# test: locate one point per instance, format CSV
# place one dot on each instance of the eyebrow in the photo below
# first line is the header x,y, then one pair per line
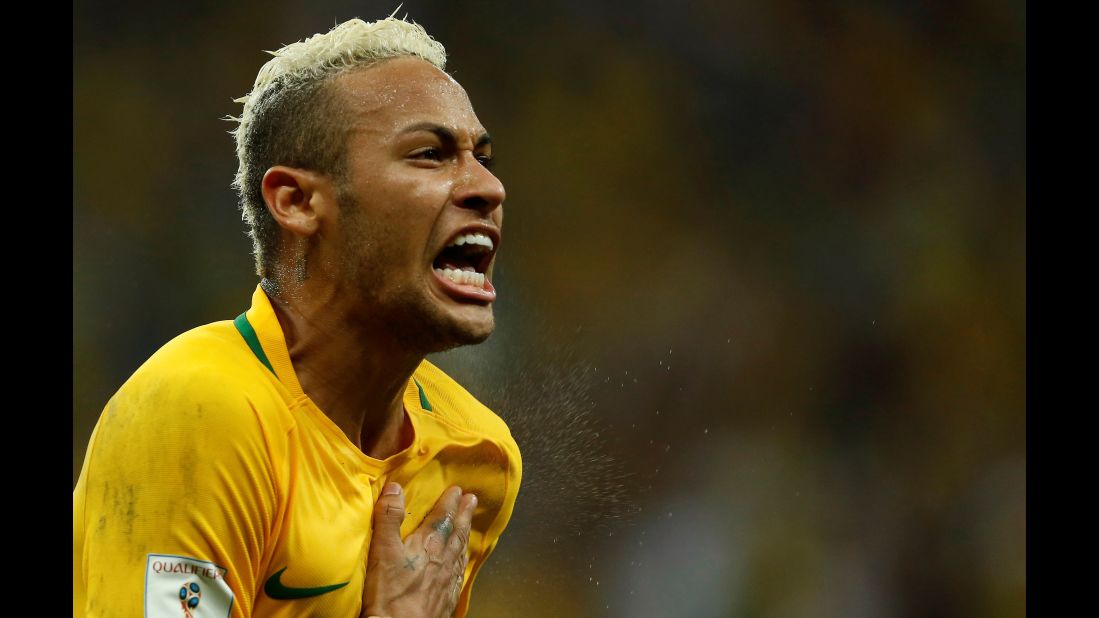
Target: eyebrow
x,y
447,136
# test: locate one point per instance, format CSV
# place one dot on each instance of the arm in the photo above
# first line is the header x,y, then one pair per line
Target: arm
x,y
176,489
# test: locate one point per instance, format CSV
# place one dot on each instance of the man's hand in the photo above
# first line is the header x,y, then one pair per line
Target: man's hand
x,y
420,577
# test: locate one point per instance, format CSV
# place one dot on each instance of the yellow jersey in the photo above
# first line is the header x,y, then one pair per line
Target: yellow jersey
x,y
213,486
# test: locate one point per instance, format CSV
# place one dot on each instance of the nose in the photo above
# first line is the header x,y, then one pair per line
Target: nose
x,y
478,188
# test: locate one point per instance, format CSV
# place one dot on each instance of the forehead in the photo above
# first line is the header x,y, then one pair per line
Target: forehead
x,y
390,95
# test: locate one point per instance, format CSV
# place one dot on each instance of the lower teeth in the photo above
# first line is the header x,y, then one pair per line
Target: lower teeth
x,y
462,277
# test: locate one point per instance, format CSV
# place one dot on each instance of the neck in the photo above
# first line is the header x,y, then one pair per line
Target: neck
x,y
353,370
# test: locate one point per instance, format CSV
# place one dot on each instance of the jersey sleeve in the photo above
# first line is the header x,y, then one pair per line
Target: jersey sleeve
x,y
175,501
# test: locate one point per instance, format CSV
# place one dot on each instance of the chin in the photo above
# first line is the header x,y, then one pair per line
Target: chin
x,y
469,332
442,330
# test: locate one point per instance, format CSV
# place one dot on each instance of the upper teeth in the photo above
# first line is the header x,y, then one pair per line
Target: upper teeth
x,y
472,239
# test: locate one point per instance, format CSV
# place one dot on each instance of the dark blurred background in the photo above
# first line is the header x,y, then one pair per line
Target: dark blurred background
x,y
762,288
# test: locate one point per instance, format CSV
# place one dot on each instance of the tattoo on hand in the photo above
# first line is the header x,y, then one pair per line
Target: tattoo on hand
x,y
410,563
445,527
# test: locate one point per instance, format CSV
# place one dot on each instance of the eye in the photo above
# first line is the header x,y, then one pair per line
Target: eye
x,y
486,160
427,154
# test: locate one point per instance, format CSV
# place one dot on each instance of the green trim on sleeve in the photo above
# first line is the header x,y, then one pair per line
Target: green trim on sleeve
x,y
424,403
252,340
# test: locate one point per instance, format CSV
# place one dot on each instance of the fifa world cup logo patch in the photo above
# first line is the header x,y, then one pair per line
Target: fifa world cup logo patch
x,y
186,587
189,596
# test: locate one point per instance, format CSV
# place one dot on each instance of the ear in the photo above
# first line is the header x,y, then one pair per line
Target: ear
x,y
294,198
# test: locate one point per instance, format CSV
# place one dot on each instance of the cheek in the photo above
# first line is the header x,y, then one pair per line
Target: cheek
x,y
418,194
406,238
402,207
417,212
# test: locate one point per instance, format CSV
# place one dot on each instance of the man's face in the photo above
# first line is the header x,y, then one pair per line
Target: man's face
x,y
416,185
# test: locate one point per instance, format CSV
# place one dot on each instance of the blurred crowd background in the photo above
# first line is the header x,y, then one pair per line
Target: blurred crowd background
x,y
762,286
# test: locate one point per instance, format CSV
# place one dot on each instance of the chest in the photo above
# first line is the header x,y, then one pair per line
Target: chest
x,y
316,557
316,563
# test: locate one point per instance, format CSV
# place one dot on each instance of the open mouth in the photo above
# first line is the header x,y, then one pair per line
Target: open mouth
x,y
463,264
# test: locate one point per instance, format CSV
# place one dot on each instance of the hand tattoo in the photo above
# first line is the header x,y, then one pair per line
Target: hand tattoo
x,y
445,527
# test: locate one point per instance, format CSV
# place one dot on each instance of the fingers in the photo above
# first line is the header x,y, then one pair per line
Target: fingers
x,y
457,549
459,541
456,592
441,523
388,516
423,574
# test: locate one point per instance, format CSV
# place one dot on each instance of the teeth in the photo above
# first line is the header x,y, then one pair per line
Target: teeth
x,y
462,277
472,239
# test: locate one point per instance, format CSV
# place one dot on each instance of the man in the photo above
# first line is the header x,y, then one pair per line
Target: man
x,y
304,459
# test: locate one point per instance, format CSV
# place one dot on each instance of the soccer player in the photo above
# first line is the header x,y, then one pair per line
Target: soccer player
x,y
305,459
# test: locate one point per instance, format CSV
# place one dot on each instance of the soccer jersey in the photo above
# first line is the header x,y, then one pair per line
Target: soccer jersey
x,y
213,486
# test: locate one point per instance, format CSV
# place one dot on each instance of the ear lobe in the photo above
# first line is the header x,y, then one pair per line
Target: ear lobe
x,y
288,193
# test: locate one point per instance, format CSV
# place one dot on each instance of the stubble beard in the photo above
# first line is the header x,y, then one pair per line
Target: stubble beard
x,y
405,312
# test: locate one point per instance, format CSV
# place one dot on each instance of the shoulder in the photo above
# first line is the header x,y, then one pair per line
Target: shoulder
x,y
458,407
195,414
206,378
215,355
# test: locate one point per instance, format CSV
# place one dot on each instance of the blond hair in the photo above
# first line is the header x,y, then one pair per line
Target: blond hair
x,y
292,118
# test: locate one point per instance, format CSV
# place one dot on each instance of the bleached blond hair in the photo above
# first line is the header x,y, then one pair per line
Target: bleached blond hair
x,y
293,118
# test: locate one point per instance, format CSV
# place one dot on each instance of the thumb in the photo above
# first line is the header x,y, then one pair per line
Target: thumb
x,y
388,515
